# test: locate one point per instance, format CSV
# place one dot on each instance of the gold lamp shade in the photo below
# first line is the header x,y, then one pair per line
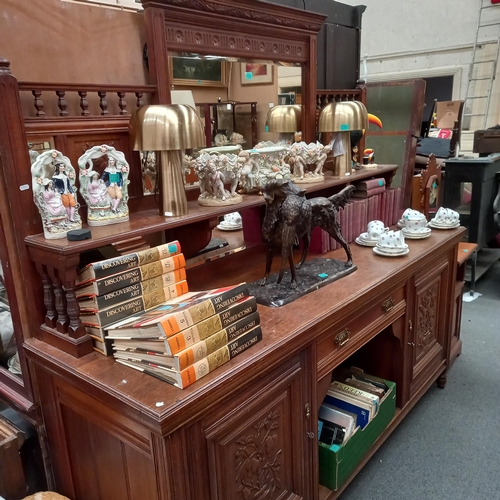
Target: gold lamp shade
x,y
285,118
343,116
168,129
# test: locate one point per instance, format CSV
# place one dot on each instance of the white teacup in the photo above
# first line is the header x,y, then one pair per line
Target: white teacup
x,y
375,229
447,216
409,213
415,224
392,242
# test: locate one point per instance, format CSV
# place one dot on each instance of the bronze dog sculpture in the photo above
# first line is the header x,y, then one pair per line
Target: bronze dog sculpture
x,y
290,217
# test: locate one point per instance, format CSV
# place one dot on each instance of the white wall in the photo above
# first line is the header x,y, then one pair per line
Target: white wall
x,y
425,38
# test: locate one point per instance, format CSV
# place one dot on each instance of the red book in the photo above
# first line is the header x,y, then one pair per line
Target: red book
x,y
320,241
370,184
252,224
368,193
390,205
364,215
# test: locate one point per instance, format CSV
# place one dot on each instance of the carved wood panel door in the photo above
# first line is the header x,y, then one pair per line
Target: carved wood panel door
x,y
259,448
427,340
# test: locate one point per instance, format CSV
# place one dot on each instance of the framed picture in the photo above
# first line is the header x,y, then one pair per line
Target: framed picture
x,y
256,73
198,72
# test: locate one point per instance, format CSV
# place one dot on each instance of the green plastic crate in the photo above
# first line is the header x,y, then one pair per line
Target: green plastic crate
x,y
336,463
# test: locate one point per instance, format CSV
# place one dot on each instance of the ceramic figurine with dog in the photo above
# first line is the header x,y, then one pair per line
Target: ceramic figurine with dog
x,y
307,161
54,193
290,217
104,185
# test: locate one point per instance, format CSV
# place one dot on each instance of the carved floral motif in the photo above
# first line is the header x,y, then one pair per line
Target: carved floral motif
x,y
258,460
426,325
242,13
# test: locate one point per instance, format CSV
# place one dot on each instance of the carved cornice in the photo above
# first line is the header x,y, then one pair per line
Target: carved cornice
x,y
253,45
243,12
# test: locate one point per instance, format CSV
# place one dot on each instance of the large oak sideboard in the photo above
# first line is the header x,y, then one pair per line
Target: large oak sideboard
x,y
249,429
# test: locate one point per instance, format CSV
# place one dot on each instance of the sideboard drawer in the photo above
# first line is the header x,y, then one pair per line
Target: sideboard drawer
x,y
344,339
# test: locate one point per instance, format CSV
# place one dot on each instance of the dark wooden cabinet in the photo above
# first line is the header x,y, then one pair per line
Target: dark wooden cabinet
x,y
250,427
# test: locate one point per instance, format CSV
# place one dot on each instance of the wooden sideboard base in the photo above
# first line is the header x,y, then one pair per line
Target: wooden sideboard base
x,y
76,347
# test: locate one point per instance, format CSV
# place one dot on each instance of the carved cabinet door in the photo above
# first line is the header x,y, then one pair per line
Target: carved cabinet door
x,y
428,322
259,448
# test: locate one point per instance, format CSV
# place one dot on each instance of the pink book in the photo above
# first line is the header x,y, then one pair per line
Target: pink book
x,y
364,215
252,225
390,212
358,216
370,184
349,221
398,212
320,241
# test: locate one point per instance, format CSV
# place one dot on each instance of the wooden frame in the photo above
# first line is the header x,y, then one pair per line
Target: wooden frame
x,y
239,29
198,72
256,73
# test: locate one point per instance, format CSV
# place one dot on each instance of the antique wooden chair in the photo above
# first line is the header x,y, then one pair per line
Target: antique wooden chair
x,y
426,187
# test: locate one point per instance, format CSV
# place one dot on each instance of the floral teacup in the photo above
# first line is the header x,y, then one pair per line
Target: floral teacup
x,y
392,242
447,217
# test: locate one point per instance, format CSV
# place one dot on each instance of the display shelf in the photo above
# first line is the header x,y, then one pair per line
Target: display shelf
x,y
150,221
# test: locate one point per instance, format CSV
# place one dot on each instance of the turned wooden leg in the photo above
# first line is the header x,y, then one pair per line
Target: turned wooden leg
x,y
441,381
48,297
75,328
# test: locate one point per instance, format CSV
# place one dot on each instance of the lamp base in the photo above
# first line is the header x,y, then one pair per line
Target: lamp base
x,y
173,201
342,164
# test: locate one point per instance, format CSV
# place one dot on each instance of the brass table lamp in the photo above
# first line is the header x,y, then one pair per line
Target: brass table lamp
x,y
342,118
285,119
169,129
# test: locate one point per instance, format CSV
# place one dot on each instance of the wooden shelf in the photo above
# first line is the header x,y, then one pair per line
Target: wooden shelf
x,y
150,221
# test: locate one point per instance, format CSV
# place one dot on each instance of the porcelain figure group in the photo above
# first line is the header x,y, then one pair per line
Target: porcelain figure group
x,y
103,184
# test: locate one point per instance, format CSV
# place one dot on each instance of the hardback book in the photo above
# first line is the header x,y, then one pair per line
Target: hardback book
x,y
172,318
105,317
365,386
330,413
368,193
346,402
103,347
93,303
124,279
190,355
233,319
191,374
238,324
357,393
115,265
332,433
370,184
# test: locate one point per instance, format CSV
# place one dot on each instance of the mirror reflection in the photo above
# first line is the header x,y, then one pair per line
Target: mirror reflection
x,y
9,357
233,98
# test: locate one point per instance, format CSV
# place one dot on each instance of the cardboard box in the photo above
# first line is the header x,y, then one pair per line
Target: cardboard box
x,y
336,463
447,113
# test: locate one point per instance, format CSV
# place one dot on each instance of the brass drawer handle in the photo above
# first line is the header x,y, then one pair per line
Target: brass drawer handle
x,y
342,338
387,305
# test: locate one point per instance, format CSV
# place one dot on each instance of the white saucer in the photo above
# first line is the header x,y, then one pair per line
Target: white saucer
x,y
400,224
229,227
436,225
365,243
425,233
378,251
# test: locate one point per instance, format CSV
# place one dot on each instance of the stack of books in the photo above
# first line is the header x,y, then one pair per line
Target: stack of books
x,y
184,339
113,289
350,403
